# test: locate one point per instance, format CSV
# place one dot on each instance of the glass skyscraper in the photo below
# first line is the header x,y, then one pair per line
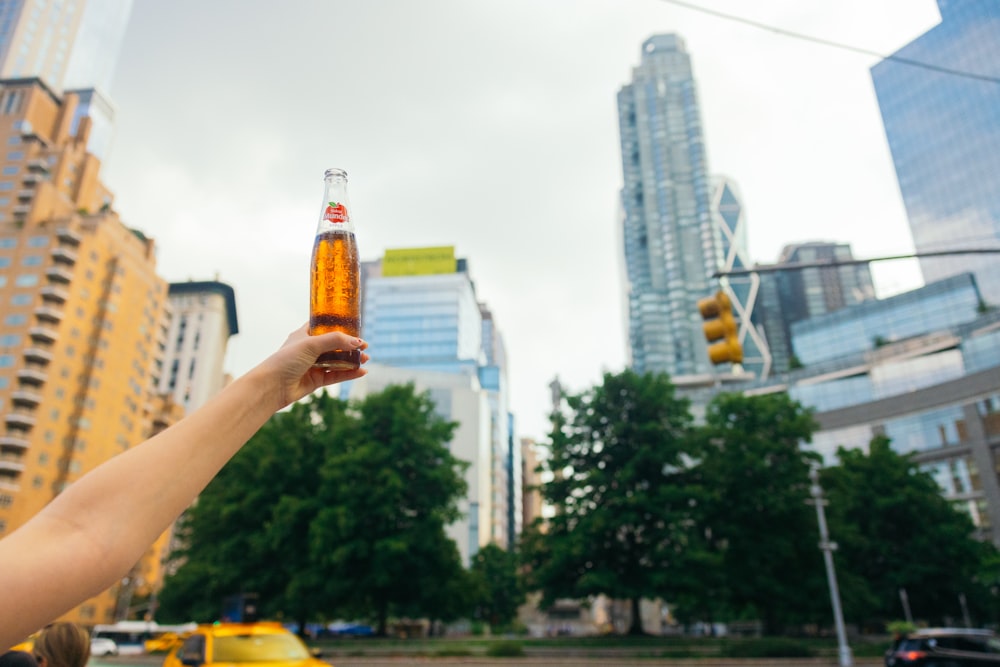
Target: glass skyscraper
x,y
421,314
679,226
943,131
69,44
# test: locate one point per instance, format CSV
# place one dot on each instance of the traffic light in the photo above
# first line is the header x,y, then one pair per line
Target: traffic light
x,y
721,329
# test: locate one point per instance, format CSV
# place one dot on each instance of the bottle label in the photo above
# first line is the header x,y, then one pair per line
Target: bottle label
x,y
335,212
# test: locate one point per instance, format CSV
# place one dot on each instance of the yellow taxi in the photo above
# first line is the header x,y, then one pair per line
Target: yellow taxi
x,y
236,644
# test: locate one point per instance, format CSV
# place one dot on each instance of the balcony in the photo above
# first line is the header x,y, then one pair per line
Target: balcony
x,y
14,442
54,294
64,255
22,209
22,419
68,236
25,399
11,464
49,315
25,195
39,165
37,355
43,334
31,179
59,275
7,485
32,376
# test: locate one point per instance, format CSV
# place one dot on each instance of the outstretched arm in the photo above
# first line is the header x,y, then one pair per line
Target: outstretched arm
x,y
90,535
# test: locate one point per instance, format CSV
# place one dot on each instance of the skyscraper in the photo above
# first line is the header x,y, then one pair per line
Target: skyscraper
x,y
421,314
671,237
801,293
84,319
943,131
202,318
69,44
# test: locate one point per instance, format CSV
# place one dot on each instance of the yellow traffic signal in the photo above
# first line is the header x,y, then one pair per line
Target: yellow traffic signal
x,y
721,326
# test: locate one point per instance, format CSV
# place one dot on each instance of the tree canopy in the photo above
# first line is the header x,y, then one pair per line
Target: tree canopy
x,y
895,531
330,509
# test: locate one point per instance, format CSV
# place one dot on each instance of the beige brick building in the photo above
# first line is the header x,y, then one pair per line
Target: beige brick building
x,y
83,320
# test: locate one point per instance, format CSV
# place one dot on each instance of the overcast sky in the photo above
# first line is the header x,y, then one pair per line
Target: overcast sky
x,y
489,125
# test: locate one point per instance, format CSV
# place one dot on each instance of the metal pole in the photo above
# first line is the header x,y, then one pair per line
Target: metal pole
x,y
965,610
905,599
827,547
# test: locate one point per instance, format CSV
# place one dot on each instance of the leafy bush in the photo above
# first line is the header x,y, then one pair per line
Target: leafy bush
x,y
505,650
768,647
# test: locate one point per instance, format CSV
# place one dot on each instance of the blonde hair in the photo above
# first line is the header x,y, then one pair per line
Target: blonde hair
x,y
63,645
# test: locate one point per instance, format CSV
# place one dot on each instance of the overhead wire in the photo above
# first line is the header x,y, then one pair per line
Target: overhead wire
x,y
833,44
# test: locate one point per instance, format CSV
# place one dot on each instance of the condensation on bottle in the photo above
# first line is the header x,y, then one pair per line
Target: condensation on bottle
x,y
334,284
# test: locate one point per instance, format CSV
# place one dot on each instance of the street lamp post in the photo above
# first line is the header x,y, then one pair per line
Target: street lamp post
x,y
828,547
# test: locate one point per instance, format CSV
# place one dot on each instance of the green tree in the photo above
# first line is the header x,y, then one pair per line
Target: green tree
x,y
385,501
330,509
620,485
498,588
250,529
756,517
896,531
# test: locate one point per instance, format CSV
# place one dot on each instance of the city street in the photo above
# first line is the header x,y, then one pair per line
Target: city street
x,y
416,661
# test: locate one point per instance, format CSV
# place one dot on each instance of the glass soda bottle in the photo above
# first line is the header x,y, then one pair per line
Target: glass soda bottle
x,y
334,290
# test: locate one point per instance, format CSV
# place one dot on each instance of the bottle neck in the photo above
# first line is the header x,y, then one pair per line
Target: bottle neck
x,y
335,212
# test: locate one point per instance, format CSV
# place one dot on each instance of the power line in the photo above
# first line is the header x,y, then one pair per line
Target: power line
x,y
831,43
821,264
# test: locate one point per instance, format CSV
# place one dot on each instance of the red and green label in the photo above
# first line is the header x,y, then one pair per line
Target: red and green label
x,y
335,212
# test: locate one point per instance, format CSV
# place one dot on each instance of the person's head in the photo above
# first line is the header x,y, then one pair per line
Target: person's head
x,y
17,659
62,645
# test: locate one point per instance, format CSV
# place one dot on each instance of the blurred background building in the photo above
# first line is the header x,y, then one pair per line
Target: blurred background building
x,y
792,290
943,131
423,321
203,319
84,319
678,227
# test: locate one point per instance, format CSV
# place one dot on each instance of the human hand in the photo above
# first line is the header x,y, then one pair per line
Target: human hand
x,y
292,365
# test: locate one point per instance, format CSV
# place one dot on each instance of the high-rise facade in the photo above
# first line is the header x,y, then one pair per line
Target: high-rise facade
x,y
800,291
920,368
421,314
84,319
671,237
69,44
729,221
203,317
943,131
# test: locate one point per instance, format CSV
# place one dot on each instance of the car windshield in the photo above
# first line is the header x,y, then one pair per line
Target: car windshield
x,y
258,648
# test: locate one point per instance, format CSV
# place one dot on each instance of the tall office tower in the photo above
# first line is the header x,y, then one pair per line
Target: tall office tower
x,y
71,45
798,294
420,313
671,245
203,317
942,132
84,318
68,44
743,290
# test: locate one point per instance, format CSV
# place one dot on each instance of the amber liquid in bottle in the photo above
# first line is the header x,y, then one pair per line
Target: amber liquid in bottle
x,y
335,295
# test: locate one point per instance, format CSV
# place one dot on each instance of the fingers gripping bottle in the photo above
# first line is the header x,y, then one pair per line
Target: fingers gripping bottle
x,y
334,292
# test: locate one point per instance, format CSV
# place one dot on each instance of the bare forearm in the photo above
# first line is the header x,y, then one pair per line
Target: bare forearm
x,y
91,534
157,480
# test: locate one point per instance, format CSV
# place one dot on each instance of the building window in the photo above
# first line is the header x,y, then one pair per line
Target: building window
x,y
6,360
4,262
32,260
26,280
38,241
15,320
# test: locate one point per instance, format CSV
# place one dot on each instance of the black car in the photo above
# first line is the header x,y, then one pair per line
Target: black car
x,y
945,647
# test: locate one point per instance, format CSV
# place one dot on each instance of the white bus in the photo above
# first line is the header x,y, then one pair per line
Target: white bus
x,y
131,636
